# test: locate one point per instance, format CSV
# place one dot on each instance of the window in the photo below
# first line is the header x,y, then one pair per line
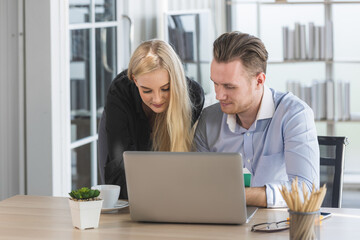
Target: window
x,y
93,41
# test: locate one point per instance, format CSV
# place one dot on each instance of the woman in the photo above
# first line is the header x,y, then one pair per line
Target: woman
x,y
151,106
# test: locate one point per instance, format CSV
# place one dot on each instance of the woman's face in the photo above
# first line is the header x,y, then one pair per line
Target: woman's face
x,y
154,89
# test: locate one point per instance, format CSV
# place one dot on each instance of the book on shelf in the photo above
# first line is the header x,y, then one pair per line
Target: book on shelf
x,y
316,44
321,96
355,116
285,32
342,98
339,100
322,43
297,41
291,47
294,87
303,43
306,94
329,45
346,113
311,41
330,99
314,99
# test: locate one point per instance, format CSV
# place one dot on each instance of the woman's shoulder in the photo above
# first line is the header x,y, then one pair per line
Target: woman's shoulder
x,y
193,85
197,98
121,84
196,92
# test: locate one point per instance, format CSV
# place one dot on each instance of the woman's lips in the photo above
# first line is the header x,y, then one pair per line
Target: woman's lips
x,y
158,105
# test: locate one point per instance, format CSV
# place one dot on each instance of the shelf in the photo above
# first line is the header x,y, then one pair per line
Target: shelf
x,y
291,3
312,61
338,121
195,62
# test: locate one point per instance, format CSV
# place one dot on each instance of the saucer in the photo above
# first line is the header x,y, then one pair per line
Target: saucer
x,y
119,205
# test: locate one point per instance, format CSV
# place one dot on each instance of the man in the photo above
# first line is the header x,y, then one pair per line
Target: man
x,y
275,132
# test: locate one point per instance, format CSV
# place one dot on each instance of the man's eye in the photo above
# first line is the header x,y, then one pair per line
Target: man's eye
x,y
229,87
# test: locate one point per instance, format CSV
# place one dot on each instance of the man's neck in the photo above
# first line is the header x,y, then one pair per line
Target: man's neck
x,y
246,119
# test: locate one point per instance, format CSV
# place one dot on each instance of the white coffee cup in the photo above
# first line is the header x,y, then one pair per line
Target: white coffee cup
x,y
109,193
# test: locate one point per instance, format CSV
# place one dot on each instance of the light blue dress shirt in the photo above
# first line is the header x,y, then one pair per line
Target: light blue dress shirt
x,y
280,145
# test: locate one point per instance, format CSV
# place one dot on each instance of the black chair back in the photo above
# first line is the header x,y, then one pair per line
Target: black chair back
x,y
331,168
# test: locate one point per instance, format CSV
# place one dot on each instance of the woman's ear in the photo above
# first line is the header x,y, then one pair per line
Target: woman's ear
x,y
134,79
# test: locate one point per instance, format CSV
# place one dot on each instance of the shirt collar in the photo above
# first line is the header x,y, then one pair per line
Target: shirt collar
x,y
267,107
266,110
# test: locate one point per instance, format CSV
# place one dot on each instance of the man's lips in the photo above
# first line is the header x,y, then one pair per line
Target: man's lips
x,y
224,104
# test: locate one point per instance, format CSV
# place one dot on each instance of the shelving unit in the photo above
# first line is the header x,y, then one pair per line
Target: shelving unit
x,y
190,33
255,17
328,16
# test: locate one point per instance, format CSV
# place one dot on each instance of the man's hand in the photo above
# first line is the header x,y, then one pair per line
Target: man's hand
x,y
256,196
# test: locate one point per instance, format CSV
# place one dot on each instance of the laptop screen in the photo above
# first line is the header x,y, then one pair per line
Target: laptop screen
x,y
192,187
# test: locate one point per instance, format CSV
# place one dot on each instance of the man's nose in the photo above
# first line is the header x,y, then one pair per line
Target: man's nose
x,y
220,94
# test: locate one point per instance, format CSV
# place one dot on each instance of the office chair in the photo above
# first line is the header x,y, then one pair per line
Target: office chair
x,y
331,168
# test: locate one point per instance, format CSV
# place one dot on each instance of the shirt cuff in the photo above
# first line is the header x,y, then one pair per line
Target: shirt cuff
x,y
273,196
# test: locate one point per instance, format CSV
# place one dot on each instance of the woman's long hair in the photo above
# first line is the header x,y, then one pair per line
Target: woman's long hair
x,y
172,128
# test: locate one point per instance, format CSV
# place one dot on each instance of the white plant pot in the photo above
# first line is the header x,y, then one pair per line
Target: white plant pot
x,y
85,214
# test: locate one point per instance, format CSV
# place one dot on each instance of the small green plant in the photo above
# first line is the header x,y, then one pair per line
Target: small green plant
x,y
84,194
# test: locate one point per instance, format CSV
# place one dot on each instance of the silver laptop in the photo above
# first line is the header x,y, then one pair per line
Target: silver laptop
x,y
191,187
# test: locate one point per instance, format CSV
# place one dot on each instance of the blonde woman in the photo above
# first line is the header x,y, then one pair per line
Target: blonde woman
x,y
151,106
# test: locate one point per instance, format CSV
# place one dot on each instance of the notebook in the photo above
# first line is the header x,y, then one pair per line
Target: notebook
x,y
187,187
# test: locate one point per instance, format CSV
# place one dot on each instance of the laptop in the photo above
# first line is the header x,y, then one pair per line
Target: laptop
x,y
186,187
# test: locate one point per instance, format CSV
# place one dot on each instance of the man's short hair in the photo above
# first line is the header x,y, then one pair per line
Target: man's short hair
x,y
249,49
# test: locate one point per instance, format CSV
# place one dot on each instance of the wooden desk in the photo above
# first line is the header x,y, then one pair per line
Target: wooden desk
x,y
35,217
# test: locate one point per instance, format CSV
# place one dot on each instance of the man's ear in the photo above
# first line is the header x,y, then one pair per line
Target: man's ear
x,y
260,79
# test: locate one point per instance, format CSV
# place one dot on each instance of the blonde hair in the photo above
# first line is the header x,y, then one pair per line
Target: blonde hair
x,y
172,128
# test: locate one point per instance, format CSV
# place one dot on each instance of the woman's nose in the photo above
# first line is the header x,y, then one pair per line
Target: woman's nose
x,y
157,97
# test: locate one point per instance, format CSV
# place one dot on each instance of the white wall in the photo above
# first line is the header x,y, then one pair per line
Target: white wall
x,y
45,74
11,100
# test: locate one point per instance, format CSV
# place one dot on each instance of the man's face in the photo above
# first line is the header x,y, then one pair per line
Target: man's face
x,y
234,88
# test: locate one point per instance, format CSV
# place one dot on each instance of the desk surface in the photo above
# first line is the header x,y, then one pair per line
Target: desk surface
x,y
35,217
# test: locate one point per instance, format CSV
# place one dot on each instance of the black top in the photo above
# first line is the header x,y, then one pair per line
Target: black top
x,y
127,126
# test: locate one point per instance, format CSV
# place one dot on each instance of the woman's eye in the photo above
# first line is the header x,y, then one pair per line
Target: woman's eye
x,y
165,89
149,91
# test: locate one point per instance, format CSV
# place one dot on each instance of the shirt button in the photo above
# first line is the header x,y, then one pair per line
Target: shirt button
x,y
248,134
248,160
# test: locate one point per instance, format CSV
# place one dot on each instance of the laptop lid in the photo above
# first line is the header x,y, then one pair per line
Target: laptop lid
x,y
189,187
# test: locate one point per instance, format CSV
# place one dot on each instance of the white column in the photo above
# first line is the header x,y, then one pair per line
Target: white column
x,y
47,117
11,119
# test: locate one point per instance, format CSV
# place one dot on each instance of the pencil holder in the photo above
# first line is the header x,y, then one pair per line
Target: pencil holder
x,y
304,225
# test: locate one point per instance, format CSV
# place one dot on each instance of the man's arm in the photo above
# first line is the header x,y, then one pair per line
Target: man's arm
x,y
200,138
301,153
256,196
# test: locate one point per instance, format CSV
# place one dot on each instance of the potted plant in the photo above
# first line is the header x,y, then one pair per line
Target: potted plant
x,y
85,207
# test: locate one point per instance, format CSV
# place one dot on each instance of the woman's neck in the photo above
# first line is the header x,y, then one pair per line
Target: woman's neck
x,y
150,115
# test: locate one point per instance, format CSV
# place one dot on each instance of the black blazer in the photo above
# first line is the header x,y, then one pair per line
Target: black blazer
x,y
127,127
